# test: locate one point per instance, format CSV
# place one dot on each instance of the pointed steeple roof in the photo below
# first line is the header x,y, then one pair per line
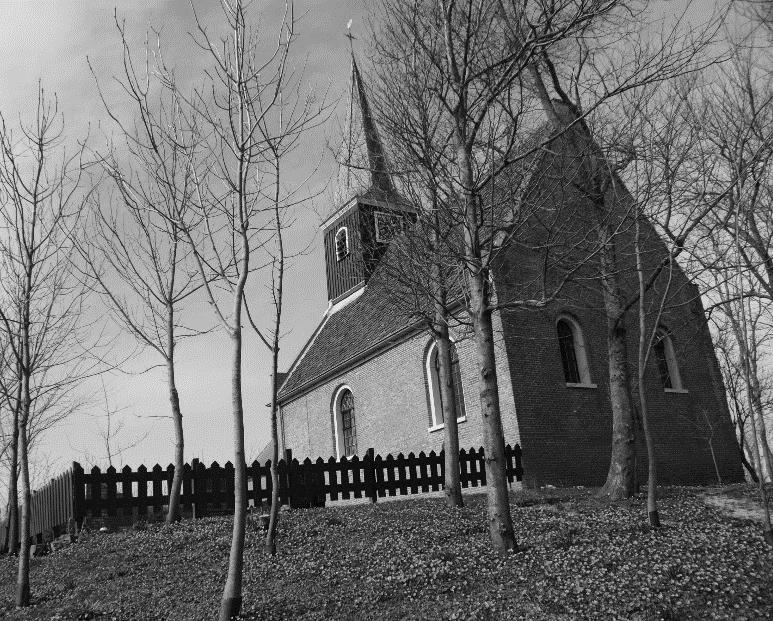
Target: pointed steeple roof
x,y
380,180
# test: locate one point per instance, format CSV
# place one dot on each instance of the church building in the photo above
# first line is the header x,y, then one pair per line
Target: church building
x,y
367,377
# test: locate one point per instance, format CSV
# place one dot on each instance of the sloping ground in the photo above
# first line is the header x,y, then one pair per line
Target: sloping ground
x,y
418,560
737,501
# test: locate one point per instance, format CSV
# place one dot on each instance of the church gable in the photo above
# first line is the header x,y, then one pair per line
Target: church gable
x,y
348,334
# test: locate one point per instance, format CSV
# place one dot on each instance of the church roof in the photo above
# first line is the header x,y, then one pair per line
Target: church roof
x,y
371,321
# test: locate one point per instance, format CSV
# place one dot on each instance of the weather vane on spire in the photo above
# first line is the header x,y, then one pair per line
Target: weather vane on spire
x,y
349,34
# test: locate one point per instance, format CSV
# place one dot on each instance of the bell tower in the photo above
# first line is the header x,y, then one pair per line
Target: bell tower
x,y
358,233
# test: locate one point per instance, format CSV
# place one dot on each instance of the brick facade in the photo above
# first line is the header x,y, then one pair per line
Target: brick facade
x,y
391,404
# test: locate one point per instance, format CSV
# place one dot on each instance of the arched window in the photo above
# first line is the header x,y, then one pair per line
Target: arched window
x,y
345,429
666,359
342,243
432,369
573,357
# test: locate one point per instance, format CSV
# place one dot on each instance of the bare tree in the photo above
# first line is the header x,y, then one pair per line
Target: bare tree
x,y
472,59
732,376
112,436
744,346
236,202
421,270
43,316
731,112
734,114
136,257
280,129
655,143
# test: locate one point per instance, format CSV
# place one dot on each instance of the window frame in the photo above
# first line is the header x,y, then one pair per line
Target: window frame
x,y
431,373
388,214
580,352
338,423
663,336
345,231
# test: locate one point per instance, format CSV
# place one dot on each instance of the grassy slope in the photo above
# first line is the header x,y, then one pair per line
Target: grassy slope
x,y
416,559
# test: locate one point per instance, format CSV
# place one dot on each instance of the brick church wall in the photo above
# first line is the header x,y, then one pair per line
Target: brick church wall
x,y
392,412
566,431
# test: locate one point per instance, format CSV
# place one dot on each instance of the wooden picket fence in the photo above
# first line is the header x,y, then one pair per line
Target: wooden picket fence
x,y
136,495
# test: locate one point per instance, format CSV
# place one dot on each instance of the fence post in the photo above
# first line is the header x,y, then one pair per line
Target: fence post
x,y
370,476
289,482
78,496
196,491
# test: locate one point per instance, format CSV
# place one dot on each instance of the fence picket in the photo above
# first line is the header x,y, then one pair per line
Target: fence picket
x,y
357,484
389,464
378,469
402,477
435,481
413,475
482,465
370,476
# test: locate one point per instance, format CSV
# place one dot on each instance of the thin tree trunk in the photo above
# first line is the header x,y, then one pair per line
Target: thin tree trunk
x,y
652,498
279,263
767,531
621,476
232,592
173,513
741,443
644,349
714,459
273,520
13,478
23,575
757,406
753,404
452,484
499,519
749,468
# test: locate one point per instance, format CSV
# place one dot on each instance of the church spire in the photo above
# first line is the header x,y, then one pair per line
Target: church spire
x,y
380,180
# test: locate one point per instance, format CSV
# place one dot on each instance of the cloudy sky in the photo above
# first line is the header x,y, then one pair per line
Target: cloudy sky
x,y
50,40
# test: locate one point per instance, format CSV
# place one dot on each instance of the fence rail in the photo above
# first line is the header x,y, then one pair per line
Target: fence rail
x,y
142,494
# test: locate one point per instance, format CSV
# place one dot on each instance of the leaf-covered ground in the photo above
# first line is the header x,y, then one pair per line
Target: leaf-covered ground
x,y
416,559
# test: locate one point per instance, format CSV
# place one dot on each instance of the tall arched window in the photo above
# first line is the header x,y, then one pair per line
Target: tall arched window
x,y
345,430
573,356
666,359
342,243
432,369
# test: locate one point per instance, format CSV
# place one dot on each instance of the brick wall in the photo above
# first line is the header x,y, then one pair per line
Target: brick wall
x,y
566,431
391,404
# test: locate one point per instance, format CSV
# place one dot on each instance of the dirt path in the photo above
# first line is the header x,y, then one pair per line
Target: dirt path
x,y
734,501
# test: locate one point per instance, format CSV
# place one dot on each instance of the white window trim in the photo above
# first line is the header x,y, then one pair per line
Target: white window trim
x,y
435,426
337,422
345,230
672,363
388,214
442,426
580,353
